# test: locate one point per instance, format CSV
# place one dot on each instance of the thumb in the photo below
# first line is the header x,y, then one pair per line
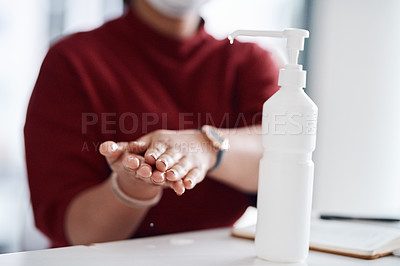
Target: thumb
x,y
112,151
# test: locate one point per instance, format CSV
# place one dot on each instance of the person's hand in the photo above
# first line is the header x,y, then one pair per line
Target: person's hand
x,y
182,157
132,170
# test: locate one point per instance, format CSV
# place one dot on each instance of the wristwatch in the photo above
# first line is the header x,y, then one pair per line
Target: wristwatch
x,y
217,140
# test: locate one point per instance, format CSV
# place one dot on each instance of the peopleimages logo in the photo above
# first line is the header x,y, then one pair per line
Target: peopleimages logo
x,y
282,123
279,124
131,123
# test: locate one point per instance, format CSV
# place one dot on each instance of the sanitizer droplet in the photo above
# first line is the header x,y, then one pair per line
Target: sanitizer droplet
x,y
230,39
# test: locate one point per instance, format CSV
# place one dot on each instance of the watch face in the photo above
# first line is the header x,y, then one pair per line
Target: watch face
x,y
217,139
214,135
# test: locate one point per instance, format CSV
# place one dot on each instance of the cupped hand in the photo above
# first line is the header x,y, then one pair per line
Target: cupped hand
x,y
182,157
132,170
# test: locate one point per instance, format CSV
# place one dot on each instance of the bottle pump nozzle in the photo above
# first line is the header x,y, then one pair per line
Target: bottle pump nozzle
x,y
295,39
292,74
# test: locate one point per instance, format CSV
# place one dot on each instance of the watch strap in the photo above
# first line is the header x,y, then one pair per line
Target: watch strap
x,y
220,154
220,148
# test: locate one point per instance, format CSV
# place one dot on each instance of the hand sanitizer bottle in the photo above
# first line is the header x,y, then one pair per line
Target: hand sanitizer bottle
x,y
286,169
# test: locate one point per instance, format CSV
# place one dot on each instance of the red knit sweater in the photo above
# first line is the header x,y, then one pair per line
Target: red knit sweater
x,y
120,82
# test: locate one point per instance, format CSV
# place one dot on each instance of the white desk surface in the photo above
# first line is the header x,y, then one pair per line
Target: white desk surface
x,y
209,247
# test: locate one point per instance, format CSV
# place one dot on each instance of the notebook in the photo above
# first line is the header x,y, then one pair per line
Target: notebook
x,y
355,239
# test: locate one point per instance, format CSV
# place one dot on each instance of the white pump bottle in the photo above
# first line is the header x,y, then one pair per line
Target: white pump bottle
x,y
286,169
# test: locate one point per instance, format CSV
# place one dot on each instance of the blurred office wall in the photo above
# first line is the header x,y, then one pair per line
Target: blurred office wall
x,y
22,43
354,78
28,27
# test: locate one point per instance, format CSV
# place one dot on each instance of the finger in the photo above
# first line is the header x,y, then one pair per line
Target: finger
x,y
168,159
158,177
112,151
131,162
193,177
136,165
179,170
144,171
178,187
154,151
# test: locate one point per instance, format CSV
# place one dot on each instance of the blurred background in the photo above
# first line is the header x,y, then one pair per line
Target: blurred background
x,y
353,64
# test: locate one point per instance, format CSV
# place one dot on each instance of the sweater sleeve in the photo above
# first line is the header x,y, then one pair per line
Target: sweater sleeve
x,y
61,154
257,81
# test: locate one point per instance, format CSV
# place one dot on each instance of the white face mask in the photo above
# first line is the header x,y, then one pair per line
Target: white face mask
x,y
177,8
